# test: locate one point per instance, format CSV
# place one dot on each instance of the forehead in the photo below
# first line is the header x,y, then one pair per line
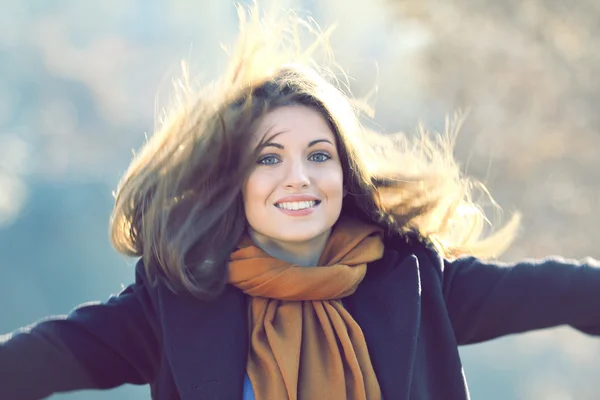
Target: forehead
x,y
297,123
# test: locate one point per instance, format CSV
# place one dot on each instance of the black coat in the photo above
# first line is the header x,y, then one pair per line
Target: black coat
x,y
414,309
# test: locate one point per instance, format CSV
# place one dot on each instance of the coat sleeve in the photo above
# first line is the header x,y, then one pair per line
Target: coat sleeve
x,y
486,300
97,346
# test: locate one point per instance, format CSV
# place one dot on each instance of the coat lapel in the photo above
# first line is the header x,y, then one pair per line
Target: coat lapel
x,y
387,306
206,344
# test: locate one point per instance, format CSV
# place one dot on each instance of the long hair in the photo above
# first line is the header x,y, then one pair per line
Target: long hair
x,y
179,204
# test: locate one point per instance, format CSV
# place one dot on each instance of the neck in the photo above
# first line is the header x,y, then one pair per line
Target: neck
x,y
304,254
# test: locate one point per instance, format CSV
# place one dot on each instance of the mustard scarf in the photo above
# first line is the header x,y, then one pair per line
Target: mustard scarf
x,y
304,345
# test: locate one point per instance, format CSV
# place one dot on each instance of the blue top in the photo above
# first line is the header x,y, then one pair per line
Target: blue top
x,y
248,390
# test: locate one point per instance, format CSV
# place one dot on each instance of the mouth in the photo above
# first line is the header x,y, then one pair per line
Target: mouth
x,y
298,205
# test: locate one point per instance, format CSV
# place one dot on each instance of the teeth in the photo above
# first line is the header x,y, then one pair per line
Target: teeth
x,y
297,205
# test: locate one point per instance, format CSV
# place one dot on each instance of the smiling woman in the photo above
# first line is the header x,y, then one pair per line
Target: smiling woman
x,y
255,177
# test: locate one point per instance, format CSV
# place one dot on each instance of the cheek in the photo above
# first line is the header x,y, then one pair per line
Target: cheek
x,y
256,190
333,183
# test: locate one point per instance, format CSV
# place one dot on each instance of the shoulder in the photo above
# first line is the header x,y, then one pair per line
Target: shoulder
x,y
151,279
412,244
148,291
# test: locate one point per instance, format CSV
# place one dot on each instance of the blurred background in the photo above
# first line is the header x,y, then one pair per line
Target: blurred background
x,y
80,82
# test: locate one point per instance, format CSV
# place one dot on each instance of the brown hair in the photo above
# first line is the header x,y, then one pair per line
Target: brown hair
x,y
179,204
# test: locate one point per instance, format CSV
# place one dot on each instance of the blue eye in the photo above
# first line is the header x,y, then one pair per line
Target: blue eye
x,y
319,157
268,160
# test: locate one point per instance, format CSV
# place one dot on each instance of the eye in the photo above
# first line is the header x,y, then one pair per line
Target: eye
x,y
319,157
268,160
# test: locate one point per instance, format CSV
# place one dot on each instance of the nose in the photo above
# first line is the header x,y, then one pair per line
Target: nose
x,y
297,176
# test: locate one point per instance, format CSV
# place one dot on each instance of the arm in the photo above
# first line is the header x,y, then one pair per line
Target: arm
x,y
486,299
97,346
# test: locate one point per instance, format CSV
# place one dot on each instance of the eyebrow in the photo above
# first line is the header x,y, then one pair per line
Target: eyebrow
x,y
310,144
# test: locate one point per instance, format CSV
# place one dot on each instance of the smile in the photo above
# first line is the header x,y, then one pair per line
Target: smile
x,y
297,205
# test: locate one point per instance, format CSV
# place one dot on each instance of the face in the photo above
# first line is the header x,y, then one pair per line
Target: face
x,y
294,192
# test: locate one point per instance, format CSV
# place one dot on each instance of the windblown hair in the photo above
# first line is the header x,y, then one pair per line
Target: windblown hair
x,y
179,205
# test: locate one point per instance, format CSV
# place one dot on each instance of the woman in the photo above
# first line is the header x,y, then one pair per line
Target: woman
x,y
288,253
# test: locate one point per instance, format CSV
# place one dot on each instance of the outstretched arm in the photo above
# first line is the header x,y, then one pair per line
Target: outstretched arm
x,y
97,346
490,299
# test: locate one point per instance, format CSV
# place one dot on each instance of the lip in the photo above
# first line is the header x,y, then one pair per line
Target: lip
x,y
299,213
297,197
294,198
